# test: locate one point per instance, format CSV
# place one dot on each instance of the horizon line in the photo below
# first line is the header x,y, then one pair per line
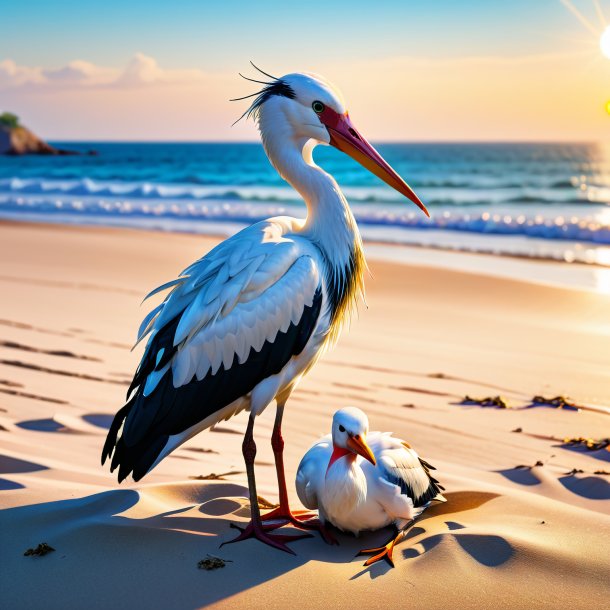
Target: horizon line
x,y
379,142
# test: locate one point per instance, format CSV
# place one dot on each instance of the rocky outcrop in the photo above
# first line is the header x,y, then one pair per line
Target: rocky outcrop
x,y
21,141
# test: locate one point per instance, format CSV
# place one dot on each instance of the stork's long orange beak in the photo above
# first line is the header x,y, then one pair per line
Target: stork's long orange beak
x,y
358,445
345,137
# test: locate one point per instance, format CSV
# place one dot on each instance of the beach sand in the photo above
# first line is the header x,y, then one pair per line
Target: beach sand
x,y
506,538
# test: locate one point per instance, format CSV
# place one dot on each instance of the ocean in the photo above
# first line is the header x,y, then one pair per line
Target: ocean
x,y
542,201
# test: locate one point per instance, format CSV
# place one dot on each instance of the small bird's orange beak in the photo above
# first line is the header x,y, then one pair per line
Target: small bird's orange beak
x,y
358,445
345,137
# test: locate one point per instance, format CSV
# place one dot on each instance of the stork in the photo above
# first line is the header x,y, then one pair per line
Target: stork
x,y
365,481
243,324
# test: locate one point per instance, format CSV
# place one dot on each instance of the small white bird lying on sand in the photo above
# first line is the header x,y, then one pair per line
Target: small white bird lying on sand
x,y
360,481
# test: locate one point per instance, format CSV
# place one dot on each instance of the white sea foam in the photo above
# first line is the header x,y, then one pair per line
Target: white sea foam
x,y
572,232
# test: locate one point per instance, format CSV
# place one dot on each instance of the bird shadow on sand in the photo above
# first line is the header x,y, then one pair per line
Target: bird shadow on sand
x,y
489,550
110,537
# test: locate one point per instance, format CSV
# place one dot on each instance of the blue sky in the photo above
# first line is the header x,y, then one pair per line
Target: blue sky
x,y
224,34
82,69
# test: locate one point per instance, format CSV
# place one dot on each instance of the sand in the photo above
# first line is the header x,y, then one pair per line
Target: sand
x,y
507,537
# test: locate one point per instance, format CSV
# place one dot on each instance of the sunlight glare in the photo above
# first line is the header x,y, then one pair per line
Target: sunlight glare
x,y
604,42
602,280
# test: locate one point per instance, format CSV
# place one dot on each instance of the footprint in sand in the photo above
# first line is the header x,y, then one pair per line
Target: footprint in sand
x,y
11,465
61,422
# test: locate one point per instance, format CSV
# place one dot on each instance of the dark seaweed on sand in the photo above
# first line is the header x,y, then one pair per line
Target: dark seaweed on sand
x,y
212,563
213,476
42,549
587,443
559,402
525,466
488,401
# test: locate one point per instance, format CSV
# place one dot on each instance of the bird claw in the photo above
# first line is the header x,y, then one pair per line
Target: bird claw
x,y
378,553
259,531
301,519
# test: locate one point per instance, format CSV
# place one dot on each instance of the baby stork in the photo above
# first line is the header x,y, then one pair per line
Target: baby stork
x,y
360,481
244,323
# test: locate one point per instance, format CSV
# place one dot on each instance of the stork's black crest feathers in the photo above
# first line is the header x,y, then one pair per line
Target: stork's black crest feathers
x,y
276,86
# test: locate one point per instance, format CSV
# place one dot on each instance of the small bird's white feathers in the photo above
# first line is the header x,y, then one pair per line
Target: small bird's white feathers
x,y
312,466
355,495
403,463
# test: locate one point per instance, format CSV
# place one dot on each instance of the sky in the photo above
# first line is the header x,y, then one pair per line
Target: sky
x,y
410,70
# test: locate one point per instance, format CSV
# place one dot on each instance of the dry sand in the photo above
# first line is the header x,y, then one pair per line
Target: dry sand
x,y
506,538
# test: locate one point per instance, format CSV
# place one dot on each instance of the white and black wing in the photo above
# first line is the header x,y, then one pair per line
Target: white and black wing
x,y
234,318
401,466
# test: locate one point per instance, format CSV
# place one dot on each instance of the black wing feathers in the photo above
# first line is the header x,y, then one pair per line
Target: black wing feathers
x,y
162,340
433,489
151,420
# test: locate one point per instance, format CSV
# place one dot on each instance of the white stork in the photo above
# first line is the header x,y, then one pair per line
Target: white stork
x,y
365,481
244,323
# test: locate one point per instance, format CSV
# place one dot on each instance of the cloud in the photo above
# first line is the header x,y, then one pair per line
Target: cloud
x,y
12,75
141,70
78,73
144,70
537,97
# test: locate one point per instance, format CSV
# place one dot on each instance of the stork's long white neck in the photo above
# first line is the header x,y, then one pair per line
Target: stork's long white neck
x,y
330,223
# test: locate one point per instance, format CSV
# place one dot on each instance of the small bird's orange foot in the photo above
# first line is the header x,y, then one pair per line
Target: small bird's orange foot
x,y
379,553
301,519
260,532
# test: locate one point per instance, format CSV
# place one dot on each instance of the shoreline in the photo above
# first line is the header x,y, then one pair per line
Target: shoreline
x,y
574,275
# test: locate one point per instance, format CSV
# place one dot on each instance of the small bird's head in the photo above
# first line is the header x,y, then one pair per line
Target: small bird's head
x,y
350,428
307,108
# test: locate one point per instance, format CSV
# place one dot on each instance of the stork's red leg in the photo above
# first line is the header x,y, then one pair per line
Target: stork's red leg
x,y
256,529
301,519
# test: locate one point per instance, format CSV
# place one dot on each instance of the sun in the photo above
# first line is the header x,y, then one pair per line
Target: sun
x,y
604,42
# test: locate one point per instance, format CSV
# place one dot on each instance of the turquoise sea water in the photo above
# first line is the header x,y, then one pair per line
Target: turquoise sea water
x,y
534,200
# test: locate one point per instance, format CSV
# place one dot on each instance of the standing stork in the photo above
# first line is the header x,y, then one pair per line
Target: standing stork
x,y
244,323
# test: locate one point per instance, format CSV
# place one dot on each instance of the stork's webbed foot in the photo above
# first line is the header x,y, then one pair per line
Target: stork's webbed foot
x,y
261,531
379,553
301,519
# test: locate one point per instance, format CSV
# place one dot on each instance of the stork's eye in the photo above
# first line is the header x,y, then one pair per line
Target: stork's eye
x,y
318,107
341,429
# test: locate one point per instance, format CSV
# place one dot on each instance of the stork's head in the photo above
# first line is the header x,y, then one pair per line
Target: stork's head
x,y
350,427
306,107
